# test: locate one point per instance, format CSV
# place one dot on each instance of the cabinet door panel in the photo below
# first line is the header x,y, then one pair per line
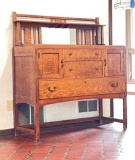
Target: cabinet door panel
x,y
50,63
115,62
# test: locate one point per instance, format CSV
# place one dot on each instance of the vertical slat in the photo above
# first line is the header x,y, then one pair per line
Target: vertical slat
x,y
102,35
93,37
96,37
39,35
82,37
27,35
77,36
99,35
34,35
18,34
87,37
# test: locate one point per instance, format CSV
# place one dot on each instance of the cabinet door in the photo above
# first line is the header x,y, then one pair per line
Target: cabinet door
x,y
114,62
50,63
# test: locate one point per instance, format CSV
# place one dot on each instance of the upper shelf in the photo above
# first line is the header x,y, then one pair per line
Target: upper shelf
x,y
28,28
56,22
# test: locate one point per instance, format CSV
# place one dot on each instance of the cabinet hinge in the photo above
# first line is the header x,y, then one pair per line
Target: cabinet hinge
x,y
123,70
39,72
38,55
123,54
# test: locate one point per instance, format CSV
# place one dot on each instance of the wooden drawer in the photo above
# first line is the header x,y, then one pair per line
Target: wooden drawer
x,y
83,69
70,54
83,87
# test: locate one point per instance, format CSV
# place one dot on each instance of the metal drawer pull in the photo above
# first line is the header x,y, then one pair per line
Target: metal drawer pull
x,y
96,53
62,62
105,62
53,89
114,84
70,54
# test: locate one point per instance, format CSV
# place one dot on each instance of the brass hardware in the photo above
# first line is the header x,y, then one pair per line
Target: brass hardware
x,y
53,89
105,62
114,84
39,72
70,54
38,55
123,54
62,63
96,53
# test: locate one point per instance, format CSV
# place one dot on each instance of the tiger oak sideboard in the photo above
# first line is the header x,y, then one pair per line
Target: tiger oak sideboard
x,y
46,74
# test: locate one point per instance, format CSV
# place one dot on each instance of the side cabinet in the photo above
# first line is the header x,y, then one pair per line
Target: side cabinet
x,y
50,63
115,62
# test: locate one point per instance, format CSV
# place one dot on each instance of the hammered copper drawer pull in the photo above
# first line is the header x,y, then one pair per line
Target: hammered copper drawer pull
x,y
70,54
96,69
53,89
96,53
114,84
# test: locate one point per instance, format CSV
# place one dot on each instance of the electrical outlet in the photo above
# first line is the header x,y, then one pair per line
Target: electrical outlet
x,y
9,105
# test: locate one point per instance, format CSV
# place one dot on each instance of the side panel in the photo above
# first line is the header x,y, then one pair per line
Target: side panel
x,y
24,75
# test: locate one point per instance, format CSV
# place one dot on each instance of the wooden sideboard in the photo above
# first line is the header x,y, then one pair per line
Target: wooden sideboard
x,y
47,74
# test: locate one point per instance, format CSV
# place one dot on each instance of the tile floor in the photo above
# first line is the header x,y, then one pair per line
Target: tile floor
x,y
106,142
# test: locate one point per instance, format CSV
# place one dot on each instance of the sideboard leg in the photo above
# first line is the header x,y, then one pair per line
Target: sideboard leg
x,y
125,113
16,118
111,108
100,111
37,123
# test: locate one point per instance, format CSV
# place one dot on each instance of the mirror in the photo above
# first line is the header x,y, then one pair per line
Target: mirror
x,y
58,36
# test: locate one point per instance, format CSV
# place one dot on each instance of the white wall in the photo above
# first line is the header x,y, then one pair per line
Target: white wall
x,y
118,26
70,8
119,38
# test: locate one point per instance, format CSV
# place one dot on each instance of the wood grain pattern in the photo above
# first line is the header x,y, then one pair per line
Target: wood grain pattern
x,y
83,69
77,87
27,35
115,62
25,89
92,53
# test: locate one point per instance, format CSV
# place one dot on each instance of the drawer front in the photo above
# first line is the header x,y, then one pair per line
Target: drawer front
x,y
83,53
83,69
72,88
